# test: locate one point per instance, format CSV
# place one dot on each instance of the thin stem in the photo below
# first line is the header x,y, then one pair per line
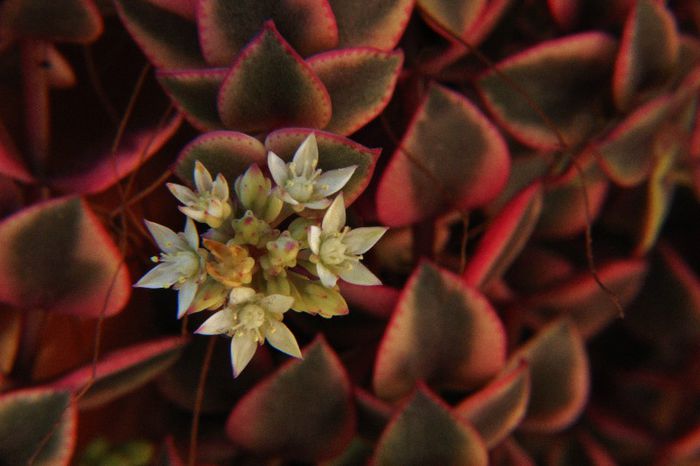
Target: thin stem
x,y
194,430
37,105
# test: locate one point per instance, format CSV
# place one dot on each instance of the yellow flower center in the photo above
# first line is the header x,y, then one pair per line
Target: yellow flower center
x,y
251,316
332,251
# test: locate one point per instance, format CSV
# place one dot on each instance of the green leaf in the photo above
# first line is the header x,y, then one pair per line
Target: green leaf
x,y
10,333
121,371
53,20
451,157
61,235
333,152
442,332
372,414
270,86
562,79
371,23
226,27
227,152
425,432
360,82
166,38
497,409
27,417
195,94
357,453
648,53
302,412
455,16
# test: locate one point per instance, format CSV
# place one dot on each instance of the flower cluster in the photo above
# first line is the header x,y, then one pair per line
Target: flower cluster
x,y
249,270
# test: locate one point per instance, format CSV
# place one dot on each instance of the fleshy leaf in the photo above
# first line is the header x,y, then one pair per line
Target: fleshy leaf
x,y
166,38
60,72
371,23
333,152
377,300
358,452
122,371
586,303
563,78
185,8
11,164
683,451
226,27
442,332
631,443
372,414
425,432
269,86
497,409
227,152
282,416
648,52
450,157
61,235
195,94
505,238
27,416
509,453
580,450
456,17
559,379
53,20
360,82
10,332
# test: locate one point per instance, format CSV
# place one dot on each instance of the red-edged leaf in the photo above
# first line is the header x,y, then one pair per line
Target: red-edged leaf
x,y
269,86
648,52
443,332
11,164
372,414
509,453
497,409
59,258
360,82
589,306
631,444
559,379
505,237
10,332
60,73
457,17
537,269
166,38
582,450
683,451
451,157
226,27
169,455
121,371
55,20
92,174
195,94
377,300
333,152
564,12
425,432
562,78
185,8
358,452
27,417
227,152
571,13
371,23
303,411
525,170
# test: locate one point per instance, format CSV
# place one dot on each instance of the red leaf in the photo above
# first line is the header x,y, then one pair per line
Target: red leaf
x,y
195,93
377,300
56,20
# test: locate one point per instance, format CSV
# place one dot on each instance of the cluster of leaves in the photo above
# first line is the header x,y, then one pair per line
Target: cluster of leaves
x,y
563,135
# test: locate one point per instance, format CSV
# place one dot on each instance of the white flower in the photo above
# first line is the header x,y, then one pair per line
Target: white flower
x,y
337,250
300,183
249,319
210,204
180,265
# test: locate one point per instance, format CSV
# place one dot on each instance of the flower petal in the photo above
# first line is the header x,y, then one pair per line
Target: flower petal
x,y
185,296
332,181
182,193
220,188
168,241
306,157
243,347
163,275
277,303
361,240
191,235
194,213
314,238
210,295
241,295
358,274
220,322
283,339
334,219
202,178
327,277
318,205
278,169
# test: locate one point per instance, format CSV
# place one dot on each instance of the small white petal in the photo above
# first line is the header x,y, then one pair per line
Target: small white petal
x,y
162,275
334,219
358,274
277,303
283,339
185,297
195,214
210,295
361,240
191,235
182,193
243,348
220,188
289,199
220,322
241,295
314,238
278,169
327,277
202,178
332,181
168,241
319,205
306,157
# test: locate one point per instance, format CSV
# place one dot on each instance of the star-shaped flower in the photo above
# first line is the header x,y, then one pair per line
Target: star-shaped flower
x,y
300,183
180,265
210,204
337,250
249,319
